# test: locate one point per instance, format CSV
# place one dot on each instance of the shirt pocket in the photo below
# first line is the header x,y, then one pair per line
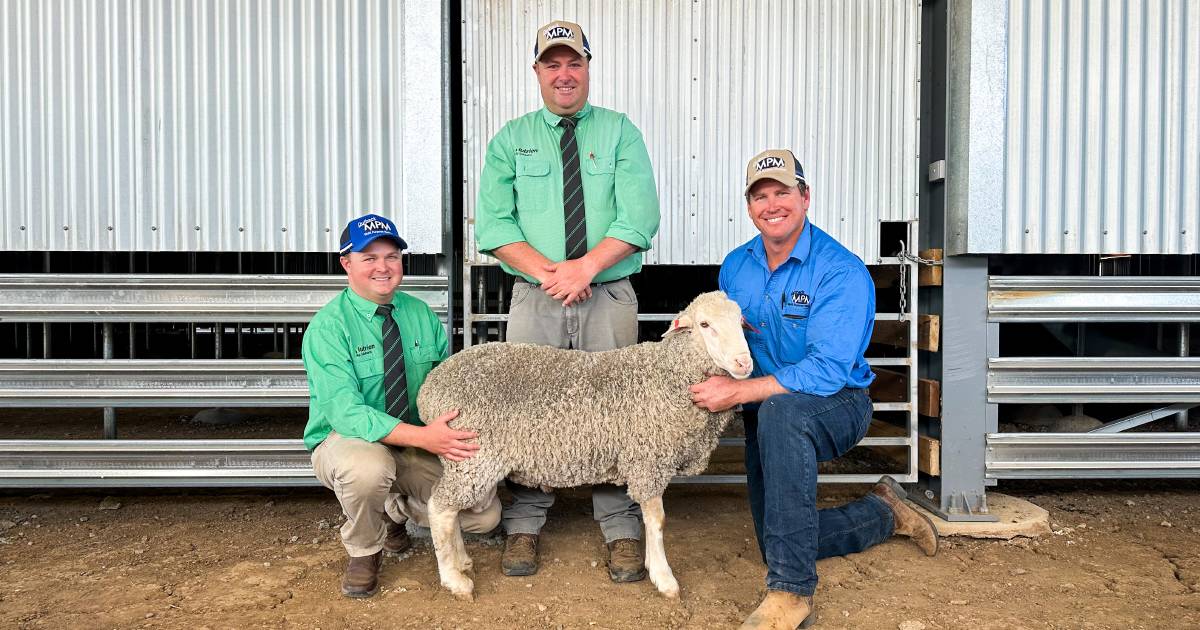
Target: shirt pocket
x,y
532,184
368,368
795,332
795,313
421,356
600,165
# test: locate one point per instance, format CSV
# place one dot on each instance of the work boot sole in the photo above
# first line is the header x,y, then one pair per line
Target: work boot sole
x,y
521,571
360,594
626,576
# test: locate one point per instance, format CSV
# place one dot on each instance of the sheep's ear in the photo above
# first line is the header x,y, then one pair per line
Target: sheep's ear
x,y
683,322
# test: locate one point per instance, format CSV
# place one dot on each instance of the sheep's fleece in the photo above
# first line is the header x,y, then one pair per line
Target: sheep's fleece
x,y
561,418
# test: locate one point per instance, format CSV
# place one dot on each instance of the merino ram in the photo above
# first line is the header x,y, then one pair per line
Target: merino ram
x,y
562,418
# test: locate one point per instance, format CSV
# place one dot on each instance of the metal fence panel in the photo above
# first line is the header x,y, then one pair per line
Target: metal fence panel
x,y
712,83
1085,129
232,125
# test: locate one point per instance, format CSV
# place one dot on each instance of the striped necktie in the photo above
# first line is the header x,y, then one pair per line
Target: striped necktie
x,y
395,395
573,210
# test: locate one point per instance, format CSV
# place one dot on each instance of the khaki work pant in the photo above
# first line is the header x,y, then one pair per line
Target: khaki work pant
x,y
372,479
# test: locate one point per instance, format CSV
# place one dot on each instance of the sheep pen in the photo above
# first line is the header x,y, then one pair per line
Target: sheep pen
x,y
562,418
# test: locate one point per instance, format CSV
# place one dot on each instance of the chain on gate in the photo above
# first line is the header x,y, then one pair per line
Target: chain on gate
x,y
905,256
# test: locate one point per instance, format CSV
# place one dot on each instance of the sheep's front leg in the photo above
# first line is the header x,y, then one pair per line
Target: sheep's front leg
x,y
447,546
656,557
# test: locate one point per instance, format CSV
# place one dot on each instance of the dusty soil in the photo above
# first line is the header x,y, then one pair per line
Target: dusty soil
x,y
1123,556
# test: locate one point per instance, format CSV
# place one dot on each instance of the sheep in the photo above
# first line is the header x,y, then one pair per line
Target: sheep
x,y
561,418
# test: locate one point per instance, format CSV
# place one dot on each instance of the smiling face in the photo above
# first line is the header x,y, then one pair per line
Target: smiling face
x,y
375,272
562,75
778,211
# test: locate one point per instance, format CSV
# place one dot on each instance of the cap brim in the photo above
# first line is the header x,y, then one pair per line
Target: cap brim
x,y
582,53
396,239
794,182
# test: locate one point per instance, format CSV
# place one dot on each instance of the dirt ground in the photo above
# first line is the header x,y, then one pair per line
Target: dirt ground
x,y
1123,555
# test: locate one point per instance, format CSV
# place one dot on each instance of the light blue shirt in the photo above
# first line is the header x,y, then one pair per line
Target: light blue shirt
x,y
814,313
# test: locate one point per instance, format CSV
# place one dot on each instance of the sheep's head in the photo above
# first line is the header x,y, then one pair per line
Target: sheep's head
x,y
716,321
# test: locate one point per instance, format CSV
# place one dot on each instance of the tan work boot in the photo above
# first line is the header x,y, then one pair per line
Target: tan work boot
x,y
909,522
362,575
397,541
781,610
520,554
625,563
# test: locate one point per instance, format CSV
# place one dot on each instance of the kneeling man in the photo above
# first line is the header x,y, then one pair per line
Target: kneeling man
x,y
366,354
813,305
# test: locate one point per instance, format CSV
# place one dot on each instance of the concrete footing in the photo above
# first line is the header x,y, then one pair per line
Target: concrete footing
x,y
1016,517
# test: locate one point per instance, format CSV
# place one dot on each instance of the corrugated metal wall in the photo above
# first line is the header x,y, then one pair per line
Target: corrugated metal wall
x,y
218,126
1099,120
712,83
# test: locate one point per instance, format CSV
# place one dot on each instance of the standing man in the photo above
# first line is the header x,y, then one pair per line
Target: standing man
x,y
366,354
567,203
813,304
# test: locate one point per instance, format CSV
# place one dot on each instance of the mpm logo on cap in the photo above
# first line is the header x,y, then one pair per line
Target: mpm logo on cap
x,y
374,224
559,32
769,162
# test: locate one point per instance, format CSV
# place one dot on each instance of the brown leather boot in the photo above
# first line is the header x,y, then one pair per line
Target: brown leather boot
x,y
520,555
909,522
397,541
781,610
362,575
625,563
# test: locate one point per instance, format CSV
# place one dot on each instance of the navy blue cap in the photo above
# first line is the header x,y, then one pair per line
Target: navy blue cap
x,y
361,231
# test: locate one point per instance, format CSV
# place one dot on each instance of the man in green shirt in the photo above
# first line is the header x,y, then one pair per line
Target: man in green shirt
x,y
567,203
362,409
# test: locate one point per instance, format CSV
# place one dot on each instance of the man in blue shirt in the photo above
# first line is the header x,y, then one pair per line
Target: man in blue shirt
x,y
812,305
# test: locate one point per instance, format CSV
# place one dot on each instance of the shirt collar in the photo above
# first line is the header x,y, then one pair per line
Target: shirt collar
x,y
552,119
800,251
366,308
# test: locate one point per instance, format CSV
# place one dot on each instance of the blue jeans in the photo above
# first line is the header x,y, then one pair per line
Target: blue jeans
x,y
785,438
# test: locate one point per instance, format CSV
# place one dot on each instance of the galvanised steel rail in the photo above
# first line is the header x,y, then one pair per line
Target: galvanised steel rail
x,y
154,463
1093,299
184,298
152,383
1092,455
196,463
1093,380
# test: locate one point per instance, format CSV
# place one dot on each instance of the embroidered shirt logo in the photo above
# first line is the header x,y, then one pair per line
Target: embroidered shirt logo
x,y
363,351
799,298
768,162
525,151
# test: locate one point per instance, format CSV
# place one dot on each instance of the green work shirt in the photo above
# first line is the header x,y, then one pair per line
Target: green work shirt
x,y
343,358
521,187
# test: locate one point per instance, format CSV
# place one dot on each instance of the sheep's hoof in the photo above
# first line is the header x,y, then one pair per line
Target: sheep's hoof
x,y
667,586
462,589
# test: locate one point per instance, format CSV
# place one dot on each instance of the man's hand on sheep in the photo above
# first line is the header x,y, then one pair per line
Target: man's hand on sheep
x,y
569,281
436,437
718,393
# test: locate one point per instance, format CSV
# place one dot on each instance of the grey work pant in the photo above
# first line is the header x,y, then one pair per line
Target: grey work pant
x,y
606,321
372,479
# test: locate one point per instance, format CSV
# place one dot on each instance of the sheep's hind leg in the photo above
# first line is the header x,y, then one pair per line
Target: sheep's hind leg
x,y
656,557
449,549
